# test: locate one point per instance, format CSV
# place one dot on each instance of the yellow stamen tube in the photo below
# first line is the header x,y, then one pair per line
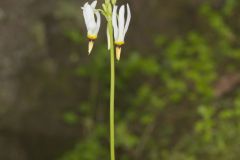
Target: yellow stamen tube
x,y
90,46
118,52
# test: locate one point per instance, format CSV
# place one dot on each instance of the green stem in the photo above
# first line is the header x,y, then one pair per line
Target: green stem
x,y
112,92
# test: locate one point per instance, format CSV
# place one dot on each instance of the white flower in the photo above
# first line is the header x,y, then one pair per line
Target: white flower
x,y
93,21
120,27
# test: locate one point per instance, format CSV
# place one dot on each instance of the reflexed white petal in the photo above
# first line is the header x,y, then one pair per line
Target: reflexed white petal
x,y
114,22
91,27
121,21
84,6
85,18
128,20
97,27
90,13
91,23
86,11
94,4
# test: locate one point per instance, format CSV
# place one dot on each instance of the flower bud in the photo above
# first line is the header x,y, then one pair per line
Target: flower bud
x,y
109,7
104,7
113,2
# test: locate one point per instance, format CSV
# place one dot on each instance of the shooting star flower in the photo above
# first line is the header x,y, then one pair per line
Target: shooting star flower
x,y
93,21
120,27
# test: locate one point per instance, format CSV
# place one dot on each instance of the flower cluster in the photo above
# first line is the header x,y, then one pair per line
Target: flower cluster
x,y
120,24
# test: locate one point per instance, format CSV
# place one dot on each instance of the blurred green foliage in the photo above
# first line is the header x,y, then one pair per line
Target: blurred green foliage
x,y
174,114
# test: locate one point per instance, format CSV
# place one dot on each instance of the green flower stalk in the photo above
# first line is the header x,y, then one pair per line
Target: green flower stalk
x,y
116,30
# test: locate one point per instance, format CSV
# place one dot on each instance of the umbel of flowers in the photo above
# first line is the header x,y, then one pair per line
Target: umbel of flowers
x,y
119,23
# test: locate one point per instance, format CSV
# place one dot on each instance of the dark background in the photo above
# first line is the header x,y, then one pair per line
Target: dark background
x,y
177,84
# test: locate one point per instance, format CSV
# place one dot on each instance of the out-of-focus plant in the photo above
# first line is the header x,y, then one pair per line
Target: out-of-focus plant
x,y
215,135
90,145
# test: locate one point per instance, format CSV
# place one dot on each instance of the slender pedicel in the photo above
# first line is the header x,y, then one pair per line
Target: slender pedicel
x,y
108,39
